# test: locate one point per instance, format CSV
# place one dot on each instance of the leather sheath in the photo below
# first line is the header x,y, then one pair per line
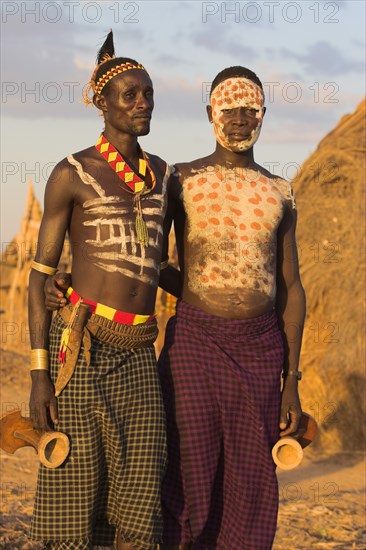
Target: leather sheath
x,y
77,336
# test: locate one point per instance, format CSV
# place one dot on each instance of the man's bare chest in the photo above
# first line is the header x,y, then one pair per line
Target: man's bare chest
x,y
107,210
106,217
231,205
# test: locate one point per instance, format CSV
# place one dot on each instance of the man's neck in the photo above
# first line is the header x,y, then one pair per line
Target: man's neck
x,y
126,144
228,158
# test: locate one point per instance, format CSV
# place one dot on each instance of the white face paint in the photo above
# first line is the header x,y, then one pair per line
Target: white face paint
x,y
235,93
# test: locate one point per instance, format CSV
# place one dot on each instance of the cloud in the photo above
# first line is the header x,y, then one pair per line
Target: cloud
x,y
221,42
359,44
83,65
301,111
171,60
222,38
324,59
46,77
341,4
180,99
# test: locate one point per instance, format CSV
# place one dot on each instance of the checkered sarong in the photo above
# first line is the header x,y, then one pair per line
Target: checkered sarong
x,y
221,388
113,413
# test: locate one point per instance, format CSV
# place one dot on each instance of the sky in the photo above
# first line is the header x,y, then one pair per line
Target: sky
x,y
308,54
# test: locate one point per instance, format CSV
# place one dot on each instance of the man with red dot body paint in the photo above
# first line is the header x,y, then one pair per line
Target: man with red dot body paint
x,y
238,326
232,335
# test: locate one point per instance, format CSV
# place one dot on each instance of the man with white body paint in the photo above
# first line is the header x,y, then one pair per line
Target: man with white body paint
x,y
94,372
227,345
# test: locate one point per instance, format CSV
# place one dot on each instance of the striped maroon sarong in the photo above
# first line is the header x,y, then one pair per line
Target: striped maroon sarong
x,y
221,388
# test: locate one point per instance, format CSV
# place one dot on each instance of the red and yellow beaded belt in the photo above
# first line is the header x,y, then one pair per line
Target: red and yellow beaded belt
x,y
109,312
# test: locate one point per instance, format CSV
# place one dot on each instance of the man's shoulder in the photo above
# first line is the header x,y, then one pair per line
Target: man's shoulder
x,y
157,161
65,168
85,155
62,172
284,186
156,158
186,169
274,179
267,174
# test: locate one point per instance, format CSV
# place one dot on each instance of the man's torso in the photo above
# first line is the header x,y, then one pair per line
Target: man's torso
x,y
110,265
230,237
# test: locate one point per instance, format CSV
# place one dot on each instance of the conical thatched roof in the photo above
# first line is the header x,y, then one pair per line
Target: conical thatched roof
x,y
330,194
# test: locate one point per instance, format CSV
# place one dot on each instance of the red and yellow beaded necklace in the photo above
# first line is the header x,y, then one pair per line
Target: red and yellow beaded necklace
x,y
135,182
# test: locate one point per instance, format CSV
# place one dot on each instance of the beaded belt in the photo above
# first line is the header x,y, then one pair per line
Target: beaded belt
x,y
109,312
116,334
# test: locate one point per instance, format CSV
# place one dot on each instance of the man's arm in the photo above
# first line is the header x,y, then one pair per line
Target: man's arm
x,y
290,308
171,279
58,206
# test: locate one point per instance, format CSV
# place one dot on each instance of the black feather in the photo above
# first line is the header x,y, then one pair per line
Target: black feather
x,y
107,48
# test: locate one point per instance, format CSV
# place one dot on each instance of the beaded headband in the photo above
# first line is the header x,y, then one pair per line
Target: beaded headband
x,y
114,72
97,87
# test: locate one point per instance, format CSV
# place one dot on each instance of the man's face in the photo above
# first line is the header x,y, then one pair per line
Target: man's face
x,y
128,102
237,112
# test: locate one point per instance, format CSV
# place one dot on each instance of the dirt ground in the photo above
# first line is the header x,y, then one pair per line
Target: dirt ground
x,y
321,501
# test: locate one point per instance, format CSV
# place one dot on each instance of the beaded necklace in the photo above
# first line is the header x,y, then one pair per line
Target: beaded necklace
x,y
134,182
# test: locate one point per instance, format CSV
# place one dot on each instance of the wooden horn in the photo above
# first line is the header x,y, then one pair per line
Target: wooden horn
x,y
287,453
16,432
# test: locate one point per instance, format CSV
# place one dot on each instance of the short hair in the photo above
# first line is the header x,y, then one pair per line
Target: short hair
x,y
235,72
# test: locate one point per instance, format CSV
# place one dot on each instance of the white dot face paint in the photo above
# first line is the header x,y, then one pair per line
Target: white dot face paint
x,y
235,93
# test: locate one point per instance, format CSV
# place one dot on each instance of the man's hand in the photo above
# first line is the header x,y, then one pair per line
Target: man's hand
x,y
43,403
290,407
54,289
